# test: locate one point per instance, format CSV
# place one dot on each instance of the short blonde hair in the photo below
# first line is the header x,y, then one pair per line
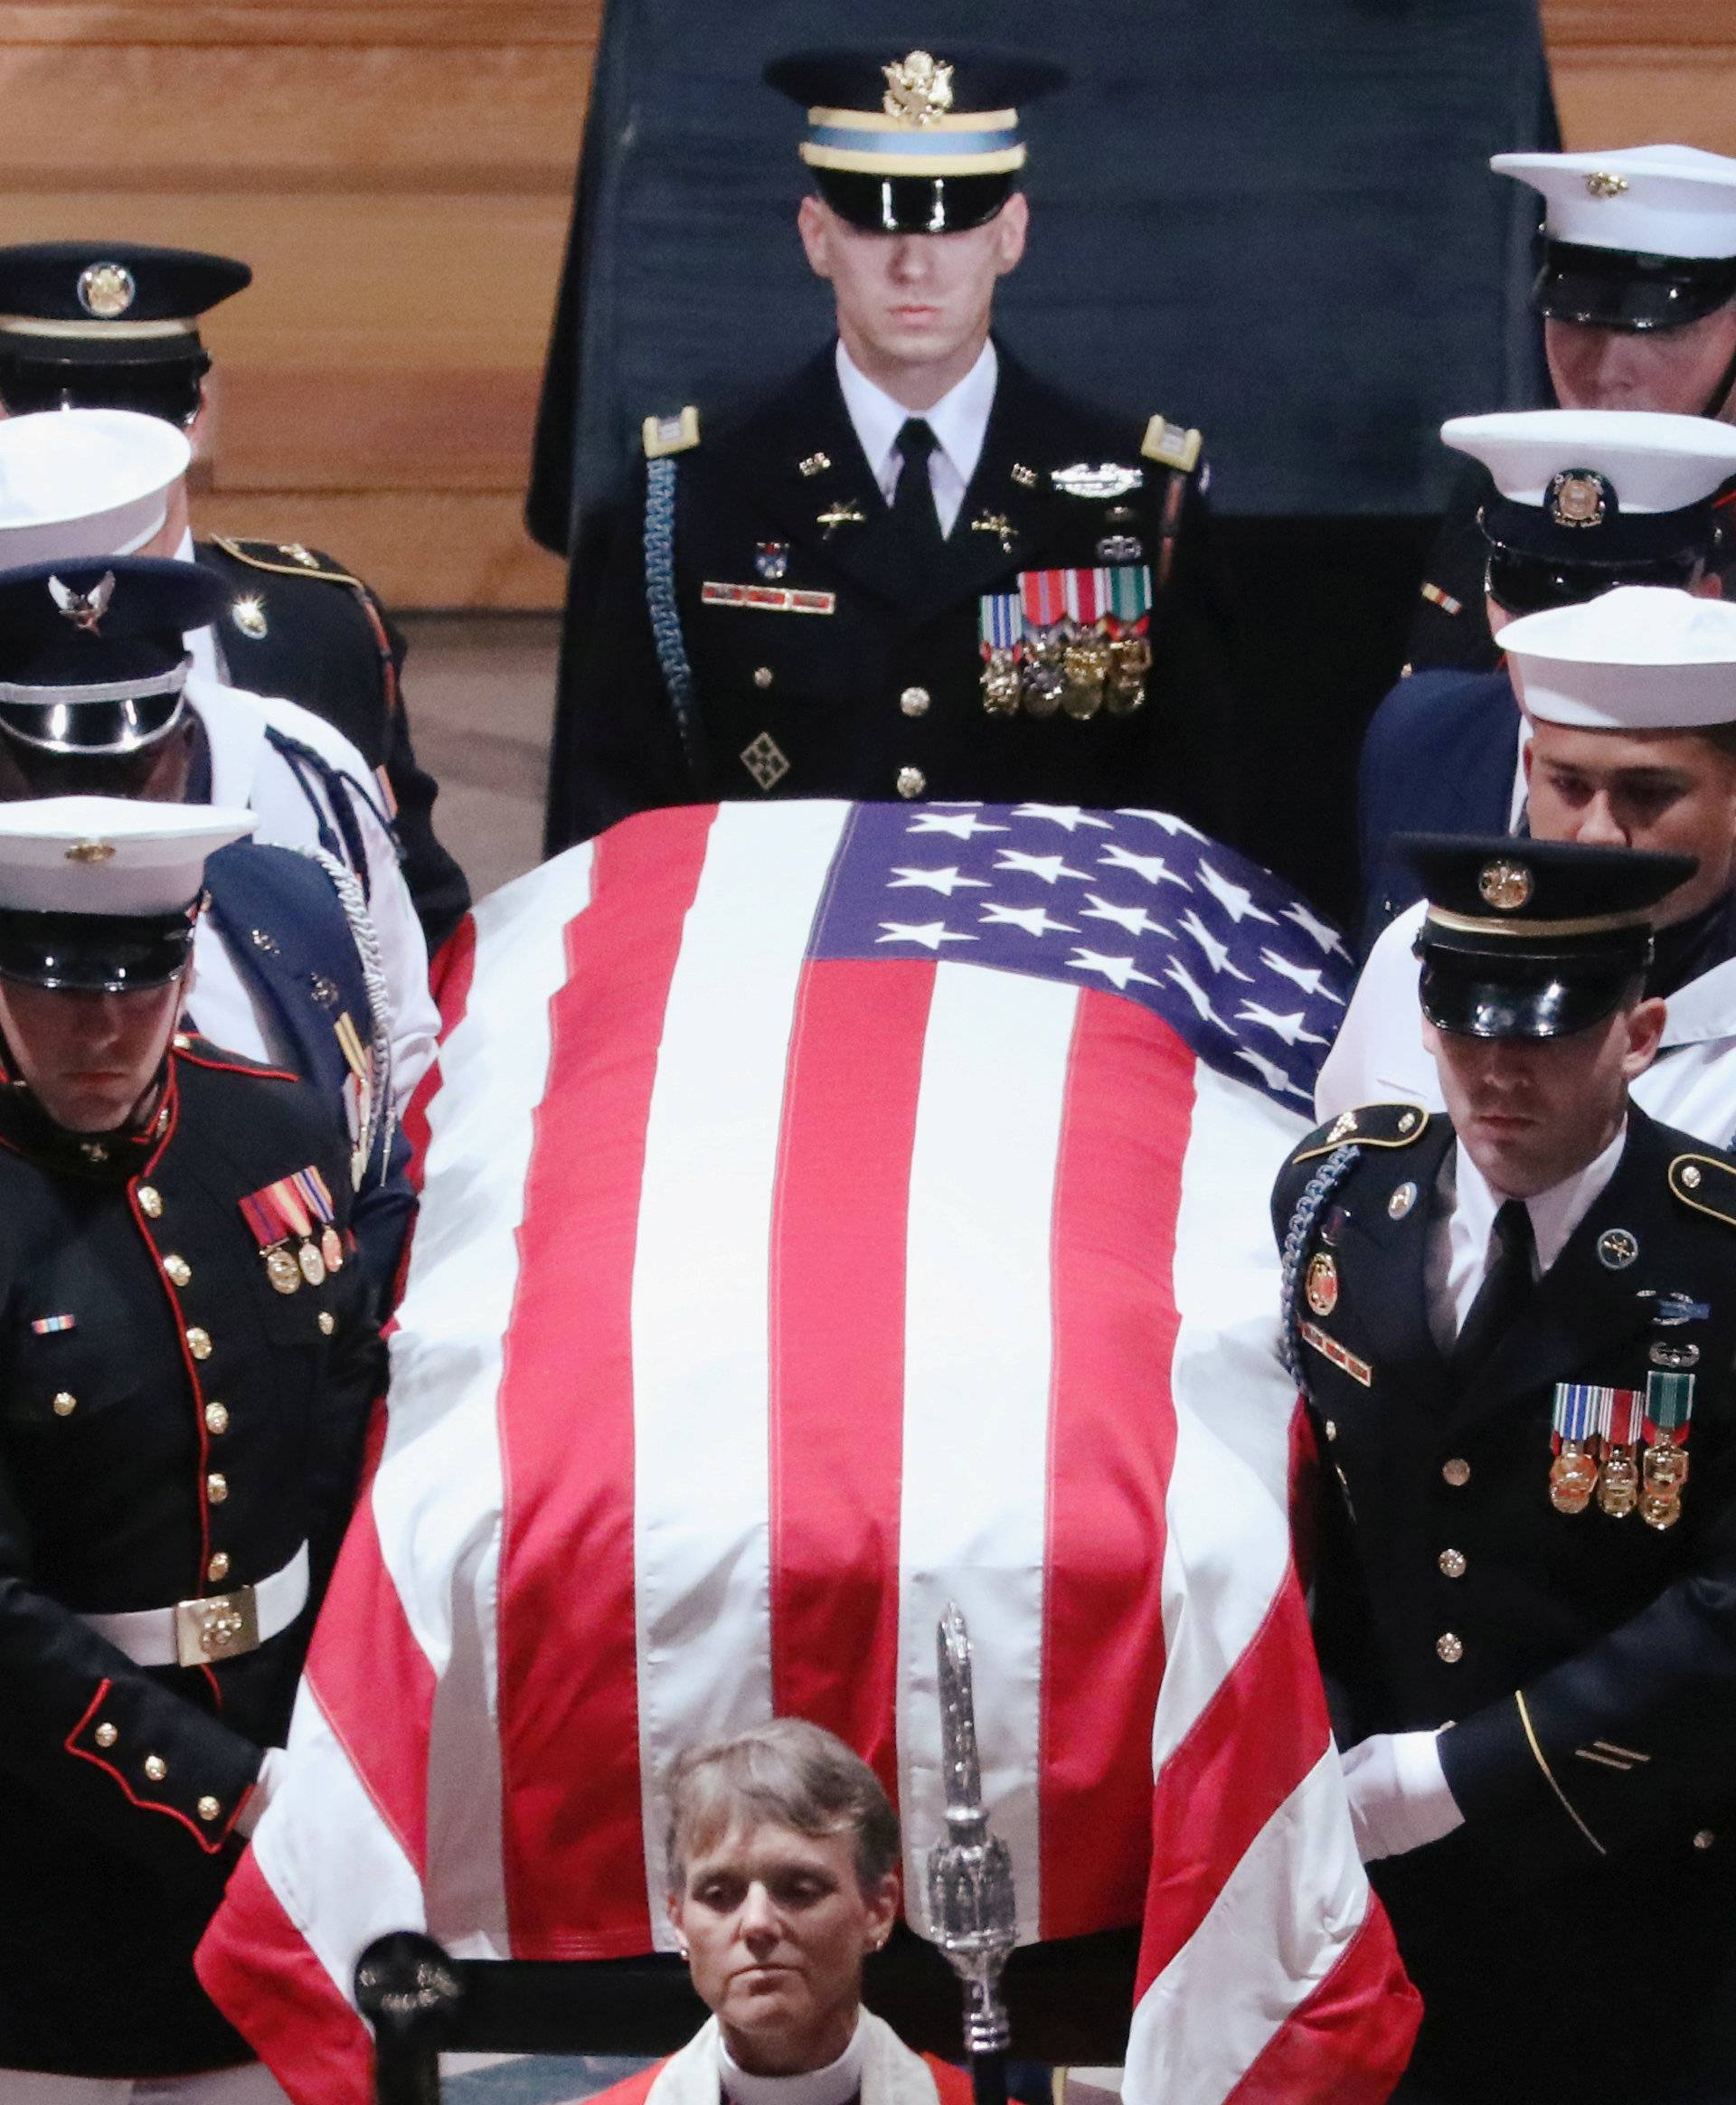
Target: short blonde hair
x,y
793,1772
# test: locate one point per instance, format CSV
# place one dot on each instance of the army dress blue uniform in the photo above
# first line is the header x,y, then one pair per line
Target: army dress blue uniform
x,y
1576,1937
760,626
175,1427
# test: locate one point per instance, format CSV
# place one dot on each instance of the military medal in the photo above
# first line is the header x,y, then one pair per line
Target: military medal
x,y
997,629
313,1265
331,1247
1577,1420
1618,1474
1669,1406
1086,664
294,1208
1042,678
1321,1286
282,1271
1129,661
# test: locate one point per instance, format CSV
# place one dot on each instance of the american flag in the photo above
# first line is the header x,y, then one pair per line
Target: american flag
x,y
829,1212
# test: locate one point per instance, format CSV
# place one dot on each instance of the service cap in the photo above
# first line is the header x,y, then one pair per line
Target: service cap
x,y
922,144
83,483
107,325
1641,659
1524,939
1592,498
92,652
1635,238
102,893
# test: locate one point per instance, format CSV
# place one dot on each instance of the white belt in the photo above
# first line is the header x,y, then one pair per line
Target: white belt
x,y
221,1626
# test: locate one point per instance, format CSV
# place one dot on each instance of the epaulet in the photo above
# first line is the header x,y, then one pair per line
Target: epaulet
x,y
1173,446
664,435
286,559
1373,1126
1707,1182
204,1053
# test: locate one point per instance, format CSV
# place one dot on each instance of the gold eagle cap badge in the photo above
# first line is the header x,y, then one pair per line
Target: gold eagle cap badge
x,y
919,88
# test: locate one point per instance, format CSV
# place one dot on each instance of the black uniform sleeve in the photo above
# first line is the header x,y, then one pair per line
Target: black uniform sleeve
x,y
616,747
355,1379
1653,1706
121,1758
438,889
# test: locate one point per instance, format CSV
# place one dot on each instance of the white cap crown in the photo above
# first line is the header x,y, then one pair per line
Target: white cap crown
x,y
80,484
1640,658
1655,462
1654,201
109,854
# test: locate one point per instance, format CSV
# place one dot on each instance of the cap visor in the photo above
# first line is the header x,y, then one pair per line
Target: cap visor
x,y
91,728
913,205
1612,289
93,953
1469,998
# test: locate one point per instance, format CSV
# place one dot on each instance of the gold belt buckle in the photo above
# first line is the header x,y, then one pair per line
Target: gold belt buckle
x,y
221,1626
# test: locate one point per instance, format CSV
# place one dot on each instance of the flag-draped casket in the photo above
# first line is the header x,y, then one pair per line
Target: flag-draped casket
x,y
830,1211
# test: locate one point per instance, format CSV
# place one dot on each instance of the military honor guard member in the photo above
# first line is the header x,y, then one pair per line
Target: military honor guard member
x,y
115,324
80,485
1631,700
1581,501
189,1369
1638,294
917,570
1513,1326
93,666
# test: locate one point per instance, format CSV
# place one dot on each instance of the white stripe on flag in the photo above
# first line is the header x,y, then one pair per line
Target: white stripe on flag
x,y
437,1496
701,1288
976,1380
1281,1922
332,1862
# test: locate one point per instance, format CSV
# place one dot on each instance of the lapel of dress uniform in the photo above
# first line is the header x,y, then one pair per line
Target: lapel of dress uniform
x,y
1392,1332
826,493
1583,1304
997,532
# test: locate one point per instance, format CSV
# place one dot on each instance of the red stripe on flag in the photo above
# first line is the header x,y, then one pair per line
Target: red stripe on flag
x,y
1231,1774
451,990
839,1237
571,1816
363,1643
261,1974
1111,1442
1349,2042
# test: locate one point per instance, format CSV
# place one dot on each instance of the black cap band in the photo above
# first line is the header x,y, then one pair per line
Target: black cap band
x,y
95,953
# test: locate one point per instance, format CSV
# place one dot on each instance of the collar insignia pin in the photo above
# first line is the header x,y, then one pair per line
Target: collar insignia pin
x,y
1402,1201
1617,1248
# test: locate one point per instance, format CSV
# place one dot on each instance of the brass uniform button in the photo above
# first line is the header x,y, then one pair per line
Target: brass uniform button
x,y
199,1342
208,1808
327,1322
1332,1429
1705,1838
150,1201
155,1767
106,1735
762,676
912,782
178,1269
216,1417
1452,1562
65,1403
182,1041
218,1567
915,700
1457,1472
1450,1649
216,1488
1690,1177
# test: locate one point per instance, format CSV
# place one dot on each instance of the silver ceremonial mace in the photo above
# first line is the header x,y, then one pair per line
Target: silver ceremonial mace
x,y
970,1873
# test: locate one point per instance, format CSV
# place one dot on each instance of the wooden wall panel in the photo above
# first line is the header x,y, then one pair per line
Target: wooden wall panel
x,y
399,174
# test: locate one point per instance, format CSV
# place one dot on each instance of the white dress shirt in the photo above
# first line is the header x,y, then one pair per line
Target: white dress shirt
x,y
835,2084
958,420
1460,1239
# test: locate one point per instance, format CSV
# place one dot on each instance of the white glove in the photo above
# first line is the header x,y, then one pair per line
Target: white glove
x,y
264,1784
1399,1795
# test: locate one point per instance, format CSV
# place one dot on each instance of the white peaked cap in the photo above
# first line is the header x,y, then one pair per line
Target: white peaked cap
x,y
1656,201
109,854
1643,657
1655,462
79,484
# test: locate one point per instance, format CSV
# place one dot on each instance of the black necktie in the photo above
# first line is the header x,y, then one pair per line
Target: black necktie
x,y
1507,1287
918,523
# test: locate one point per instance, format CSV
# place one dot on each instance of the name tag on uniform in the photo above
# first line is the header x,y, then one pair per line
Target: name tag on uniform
x,y
770,598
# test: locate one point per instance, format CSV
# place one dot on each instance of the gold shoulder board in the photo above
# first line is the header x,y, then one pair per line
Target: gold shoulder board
x,y
1373,1126
664,435
1706,1183
285,559
1174,445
